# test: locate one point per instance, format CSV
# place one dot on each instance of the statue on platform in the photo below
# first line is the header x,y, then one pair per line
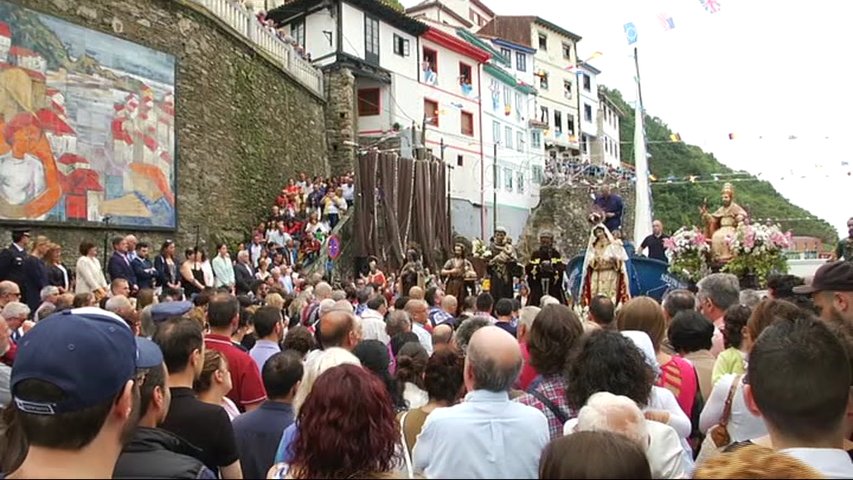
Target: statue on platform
x,y
605,270
457,271
502,266
722,224
412,274
545,271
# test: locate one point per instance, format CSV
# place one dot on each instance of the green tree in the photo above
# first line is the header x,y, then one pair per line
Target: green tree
x,y
677,204
395,4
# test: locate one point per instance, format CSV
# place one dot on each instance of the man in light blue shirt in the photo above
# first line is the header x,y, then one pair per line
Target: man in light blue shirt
x,y
223,269
487,435
270,329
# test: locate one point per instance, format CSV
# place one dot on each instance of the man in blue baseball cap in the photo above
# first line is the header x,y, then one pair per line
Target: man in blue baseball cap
x,y
75,395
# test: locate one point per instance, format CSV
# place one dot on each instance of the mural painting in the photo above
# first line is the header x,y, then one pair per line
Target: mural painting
x,y
87,125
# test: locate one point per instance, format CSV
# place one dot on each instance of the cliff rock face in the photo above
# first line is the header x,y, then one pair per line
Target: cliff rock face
x,y
563,211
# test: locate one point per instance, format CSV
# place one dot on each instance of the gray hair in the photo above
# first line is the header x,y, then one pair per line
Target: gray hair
x,y
338,295
490,374
118,304
605,412
243,255
7,286
323,290
548,300
146,322
750,298
15,310
466,330
325,307
678,300
723,289
398,321
527,315
48,291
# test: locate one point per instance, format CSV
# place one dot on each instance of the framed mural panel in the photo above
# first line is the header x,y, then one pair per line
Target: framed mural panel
x,y
87,126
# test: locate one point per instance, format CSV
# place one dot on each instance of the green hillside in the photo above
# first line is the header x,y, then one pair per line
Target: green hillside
x,y
677,204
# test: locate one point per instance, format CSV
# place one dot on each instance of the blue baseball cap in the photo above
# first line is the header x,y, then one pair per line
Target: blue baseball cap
x,y
163,311
87,353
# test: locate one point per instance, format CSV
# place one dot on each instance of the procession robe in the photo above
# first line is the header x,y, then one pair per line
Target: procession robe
x,y
501,271
553,275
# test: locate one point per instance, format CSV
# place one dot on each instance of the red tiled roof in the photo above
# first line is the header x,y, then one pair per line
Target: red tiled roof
x,y
5,30
32,73
119,133
52,122
17,51
150,142
71,159
80,181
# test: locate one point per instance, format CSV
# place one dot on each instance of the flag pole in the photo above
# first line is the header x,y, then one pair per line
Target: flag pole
x,y
642,189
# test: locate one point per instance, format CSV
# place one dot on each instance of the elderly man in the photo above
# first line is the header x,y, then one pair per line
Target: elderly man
x,y
832,291
131,242
9,292
419,313
121,306
16,314
8,349
717,292
244,274
486,436
373,319
48,296
441,336
618,414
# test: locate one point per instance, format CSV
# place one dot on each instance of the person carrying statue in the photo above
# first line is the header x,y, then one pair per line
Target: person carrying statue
x,y
502,265
545,271
457,271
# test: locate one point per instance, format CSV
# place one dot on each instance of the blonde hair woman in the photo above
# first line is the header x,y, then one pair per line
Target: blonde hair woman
x,y
754,461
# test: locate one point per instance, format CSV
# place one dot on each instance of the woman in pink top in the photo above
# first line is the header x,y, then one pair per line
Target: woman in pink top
x,y
677,374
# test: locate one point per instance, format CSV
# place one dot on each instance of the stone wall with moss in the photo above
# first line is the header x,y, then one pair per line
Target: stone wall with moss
x,y
564,212
243,126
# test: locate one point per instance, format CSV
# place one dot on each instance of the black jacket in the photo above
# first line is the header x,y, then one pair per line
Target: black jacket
x,y
156,453
243,279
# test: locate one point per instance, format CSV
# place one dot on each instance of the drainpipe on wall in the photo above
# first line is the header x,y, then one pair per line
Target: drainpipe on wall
x,y
482,156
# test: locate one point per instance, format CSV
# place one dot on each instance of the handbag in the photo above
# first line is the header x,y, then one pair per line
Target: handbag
x,y
718,436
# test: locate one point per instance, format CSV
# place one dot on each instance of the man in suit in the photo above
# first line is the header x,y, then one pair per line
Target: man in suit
x,y
142,267
12,259
244,276
119,266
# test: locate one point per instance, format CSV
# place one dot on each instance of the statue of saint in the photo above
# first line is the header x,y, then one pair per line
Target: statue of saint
x,y
722,224
457,271
545,271
501,266
412,274
604,268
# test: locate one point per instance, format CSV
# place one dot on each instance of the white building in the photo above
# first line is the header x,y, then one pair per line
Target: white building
x,y
608,147
556,81
5,42
468,14
588,110
26,58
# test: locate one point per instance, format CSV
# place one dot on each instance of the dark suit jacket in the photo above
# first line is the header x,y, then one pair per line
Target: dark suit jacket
x,y
12,265
119,267
35,278
243,278
144,271
56,278
164,275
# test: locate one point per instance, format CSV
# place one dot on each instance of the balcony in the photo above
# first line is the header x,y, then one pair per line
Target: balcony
x,y
246,25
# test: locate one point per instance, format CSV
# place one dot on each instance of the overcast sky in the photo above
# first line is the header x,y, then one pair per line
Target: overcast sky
x,y
756,68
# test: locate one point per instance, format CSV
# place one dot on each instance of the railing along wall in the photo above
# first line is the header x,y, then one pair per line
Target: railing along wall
x,y
246,24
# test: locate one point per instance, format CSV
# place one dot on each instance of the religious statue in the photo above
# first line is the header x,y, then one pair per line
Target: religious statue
x,y
412,274
604,268
545,271
458,270
722,224
502,266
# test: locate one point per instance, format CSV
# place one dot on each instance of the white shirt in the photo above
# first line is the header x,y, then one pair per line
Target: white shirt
x,y
665,454
486,436
743,425
831,462
423,336
414,396
373,327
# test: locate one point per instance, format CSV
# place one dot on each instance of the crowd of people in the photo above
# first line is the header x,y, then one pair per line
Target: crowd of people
x,y
280,31
349,382
562,172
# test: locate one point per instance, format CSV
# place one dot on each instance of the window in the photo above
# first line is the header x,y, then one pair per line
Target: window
x,y
543,42
508,179
368,102
570,123
467,122
567,51
558,121
520,182
460,160
297,31
544,117
401,46
538,175
567,89
496,131
584,143
587,82
464,74
507,53
431,112
543,81
536,138
520,61
371,39
519,110
587,112
508,137
430,61
607,145
519,141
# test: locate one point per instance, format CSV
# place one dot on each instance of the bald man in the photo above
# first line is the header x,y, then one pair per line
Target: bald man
x,y
418,311
338,328
654,242
417,293
487,435
441,336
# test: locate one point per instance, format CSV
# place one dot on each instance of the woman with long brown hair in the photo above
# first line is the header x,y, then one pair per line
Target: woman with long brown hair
x,y
57,274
